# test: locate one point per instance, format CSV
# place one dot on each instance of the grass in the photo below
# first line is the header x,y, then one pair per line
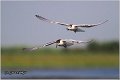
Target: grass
x,y
57,58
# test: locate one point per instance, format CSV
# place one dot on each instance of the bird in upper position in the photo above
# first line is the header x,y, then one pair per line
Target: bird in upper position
x,y
59,42
71,27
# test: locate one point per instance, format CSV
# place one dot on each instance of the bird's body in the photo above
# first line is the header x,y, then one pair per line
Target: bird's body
x,y
71,27
65,43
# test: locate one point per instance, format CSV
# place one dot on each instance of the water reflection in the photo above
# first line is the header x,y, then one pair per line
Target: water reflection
x,y
82,73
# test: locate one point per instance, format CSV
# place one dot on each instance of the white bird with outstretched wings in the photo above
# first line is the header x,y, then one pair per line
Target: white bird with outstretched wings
x,y
71,27
59,42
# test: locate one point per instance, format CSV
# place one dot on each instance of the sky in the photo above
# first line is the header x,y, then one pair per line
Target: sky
x,y
19,26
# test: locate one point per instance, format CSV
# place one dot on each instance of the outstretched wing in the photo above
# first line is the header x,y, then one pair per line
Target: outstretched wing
x,y
77,41
35,48
50,21
91,25
50,43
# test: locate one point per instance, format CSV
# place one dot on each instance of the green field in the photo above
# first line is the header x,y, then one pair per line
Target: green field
x,y
46,58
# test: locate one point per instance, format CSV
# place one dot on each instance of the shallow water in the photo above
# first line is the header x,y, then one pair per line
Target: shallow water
x,y
79,73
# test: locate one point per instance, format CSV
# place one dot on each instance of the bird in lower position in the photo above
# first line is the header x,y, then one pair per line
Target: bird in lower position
x,y
59,42
71,27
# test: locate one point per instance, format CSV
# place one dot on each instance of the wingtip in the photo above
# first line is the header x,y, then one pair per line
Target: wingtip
x,y
26,49
106,20
36,15
90,41
23,49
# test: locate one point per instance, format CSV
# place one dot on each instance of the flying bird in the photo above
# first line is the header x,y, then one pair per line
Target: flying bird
x,y
71,27
59,42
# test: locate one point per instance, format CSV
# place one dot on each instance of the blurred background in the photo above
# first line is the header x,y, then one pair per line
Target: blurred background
x,y
20,28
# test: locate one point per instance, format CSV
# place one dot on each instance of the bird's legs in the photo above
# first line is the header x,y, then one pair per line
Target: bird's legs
x,y
65,46
75,30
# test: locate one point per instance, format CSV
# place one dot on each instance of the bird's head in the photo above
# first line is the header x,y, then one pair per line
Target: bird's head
x,y
58,41
70,24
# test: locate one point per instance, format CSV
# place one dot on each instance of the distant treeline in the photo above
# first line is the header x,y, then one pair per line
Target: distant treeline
x,y
111,46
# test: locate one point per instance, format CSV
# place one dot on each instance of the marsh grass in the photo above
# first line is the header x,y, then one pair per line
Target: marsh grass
x,y
45,58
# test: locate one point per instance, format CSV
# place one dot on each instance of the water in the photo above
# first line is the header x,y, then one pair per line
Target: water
x,y
81,73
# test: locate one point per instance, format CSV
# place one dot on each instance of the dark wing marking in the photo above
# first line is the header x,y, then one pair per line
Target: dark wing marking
x,y
91,25
50,21
50,43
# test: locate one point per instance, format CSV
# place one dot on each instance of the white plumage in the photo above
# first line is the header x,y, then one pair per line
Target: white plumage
x,y
71,27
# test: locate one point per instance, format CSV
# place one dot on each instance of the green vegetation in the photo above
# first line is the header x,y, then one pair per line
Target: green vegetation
x,y
57,58
110,46
96,55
